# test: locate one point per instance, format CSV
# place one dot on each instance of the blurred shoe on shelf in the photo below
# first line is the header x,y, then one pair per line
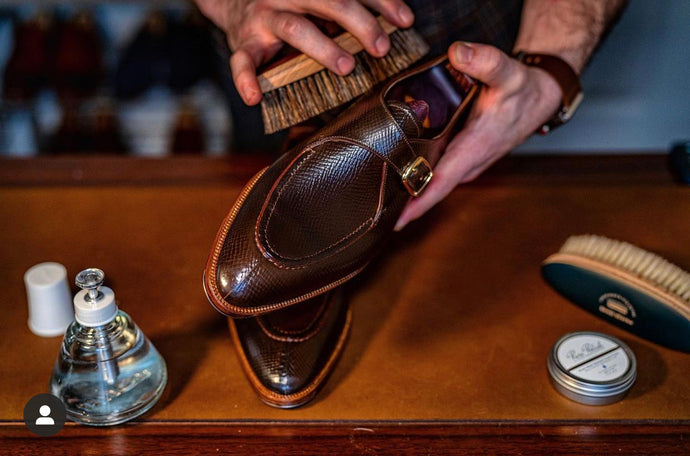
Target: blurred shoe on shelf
x,y
103,134
30,63
68,139
191,52
167,53
144,61
188,135
78,65
88,128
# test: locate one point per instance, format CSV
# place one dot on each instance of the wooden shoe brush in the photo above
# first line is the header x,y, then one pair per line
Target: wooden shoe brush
x,y
296,87
625,285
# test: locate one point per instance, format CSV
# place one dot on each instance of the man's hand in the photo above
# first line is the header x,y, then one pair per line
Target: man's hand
x,y
514,102
257,29
516,98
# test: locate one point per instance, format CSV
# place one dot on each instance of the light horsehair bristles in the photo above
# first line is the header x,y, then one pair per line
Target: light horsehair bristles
x,y
324,90
639,262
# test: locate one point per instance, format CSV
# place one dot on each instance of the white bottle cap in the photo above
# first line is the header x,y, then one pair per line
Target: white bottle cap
x,y
97,312
49,299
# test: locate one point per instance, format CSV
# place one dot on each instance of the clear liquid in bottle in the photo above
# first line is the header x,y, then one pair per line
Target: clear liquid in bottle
x,y
107,371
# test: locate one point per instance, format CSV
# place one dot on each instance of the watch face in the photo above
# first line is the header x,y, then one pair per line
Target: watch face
x,y
568,111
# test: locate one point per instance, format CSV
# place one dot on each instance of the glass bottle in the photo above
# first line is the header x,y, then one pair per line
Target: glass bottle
x,y
107,371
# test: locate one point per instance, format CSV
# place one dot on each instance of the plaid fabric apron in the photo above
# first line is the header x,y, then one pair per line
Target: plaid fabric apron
x,y
441,22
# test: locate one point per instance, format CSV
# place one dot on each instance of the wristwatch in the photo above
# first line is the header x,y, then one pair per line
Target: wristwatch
x,y
566,78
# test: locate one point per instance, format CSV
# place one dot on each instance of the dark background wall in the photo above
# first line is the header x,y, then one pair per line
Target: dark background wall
x,y
636,87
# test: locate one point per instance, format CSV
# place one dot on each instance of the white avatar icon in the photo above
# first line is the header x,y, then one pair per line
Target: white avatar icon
x,y
44,419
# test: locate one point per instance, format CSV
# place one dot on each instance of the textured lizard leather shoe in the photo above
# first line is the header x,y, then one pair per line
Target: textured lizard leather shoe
x,y
288,354
320,213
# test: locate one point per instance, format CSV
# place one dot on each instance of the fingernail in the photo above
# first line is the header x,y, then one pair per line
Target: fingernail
x,y
399,225
345,64
464,52
405,15
382,45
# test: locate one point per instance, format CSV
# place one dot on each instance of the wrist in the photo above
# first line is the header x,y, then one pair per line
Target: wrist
x,y
575,57
555,70
550,97
550,92
568,29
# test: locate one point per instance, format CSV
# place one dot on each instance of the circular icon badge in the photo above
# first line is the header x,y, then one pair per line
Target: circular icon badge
x,y
44,415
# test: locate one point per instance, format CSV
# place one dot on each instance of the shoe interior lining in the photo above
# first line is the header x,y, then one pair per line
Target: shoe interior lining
x,y
438,89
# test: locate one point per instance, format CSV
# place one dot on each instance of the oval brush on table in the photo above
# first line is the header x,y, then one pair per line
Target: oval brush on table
x,y
296,88
625,285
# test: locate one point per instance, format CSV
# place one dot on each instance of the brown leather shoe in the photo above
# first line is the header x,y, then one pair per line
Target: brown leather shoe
x,y
288,354
319,214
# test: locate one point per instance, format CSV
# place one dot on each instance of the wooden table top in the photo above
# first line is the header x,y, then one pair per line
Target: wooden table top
x,y
451,328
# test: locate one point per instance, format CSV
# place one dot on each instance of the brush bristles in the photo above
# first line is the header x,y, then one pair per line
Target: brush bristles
x,y
641,263
324,90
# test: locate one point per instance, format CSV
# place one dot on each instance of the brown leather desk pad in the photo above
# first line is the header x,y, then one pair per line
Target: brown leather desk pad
x,y
453,323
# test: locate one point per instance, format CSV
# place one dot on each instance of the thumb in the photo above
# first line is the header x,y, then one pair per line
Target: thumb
x,y
485,63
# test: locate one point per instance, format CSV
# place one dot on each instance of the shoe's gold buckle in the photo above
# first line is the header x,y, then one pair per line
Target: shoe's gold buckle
x,y
416,176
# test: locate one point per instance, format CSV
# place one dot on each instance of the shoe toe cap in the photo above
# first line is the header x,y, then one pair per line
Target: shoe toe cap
x,y
288,353
283,382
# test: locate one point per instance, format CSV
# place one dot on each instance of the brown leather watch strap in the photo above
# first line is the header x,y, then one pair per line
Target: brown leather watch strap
x,y
566,78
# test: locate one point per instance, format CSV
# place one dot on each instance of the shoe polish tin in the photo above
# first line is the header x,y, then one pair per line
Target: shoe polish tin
x,y
592,368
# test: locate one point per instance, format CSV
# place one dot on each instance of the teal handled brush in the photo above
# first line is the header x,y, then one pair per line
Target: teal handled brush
x,y
625,285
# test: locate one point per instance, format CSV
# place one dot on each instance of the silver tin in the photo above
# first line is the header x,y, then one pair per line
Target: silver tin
x,y
592,368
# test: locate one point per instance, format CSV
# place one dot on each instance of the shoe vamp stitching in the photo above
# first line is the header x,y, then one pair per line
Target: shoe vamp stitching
x,y
360,230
